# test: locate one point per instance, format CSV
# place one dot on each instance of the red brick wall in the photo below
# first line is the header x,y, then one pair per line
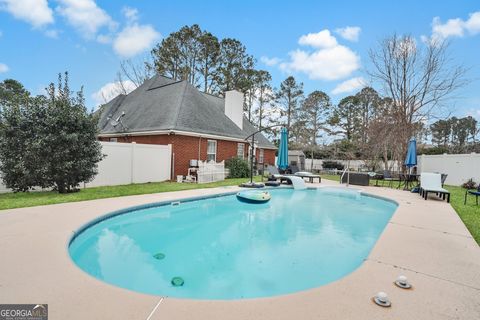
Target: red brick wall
x,y
269,156
186,148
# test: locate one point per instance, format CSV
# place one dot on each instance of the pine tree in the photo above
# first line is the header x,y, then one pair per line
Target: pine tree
x,y
289,97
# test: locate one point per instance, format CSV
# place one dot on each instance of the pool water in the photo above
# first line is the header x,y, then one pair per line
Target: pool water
x,y
226,249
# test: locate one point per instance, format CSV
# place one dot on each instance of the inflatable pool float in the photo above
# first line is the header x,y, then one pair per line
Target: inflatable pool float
x,y
272,183
254,196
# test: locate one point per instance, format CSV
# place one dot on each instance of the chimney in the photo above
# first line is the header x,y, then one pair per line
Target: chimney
x,y
234,107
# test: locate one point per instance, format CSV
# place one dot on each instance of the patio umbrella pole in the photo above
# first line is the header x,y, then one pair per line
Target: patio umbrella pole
x,y
251,159
252,155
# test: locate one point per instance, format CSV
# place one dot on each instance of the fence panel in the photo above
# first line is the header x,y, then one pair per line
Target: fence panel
x,y
459,167
127,163
133,163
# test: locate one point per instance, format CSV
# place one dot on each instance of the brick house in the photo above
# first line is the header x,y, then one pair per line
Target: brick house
x,y
199,126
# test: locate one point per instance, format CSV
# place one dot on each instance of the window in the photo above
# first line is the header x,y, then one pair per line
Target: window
x,y
241,150
113,140
260,157
211,150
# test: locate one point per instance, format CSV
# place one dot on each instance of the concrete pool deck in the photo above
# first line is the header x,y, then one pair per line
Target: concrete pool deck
x,y
424,240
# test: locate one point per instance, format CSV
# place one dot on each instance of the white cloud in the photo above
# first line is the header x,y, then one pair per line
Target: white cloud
x,y
455,27
104,38
349,33
270,61
52,33
85,16
328,61
322,39
134,39
349,85
3,68
111,90
35,12
130,13
473,23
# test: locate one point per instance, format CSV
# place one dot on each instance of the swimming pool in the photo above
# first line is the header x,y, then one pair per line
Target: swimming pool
x,y
221,248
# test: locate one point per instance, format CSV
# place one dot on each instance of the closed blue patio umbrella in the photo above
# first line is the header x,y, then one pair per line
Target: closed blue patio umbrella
x,y
282,159
411,159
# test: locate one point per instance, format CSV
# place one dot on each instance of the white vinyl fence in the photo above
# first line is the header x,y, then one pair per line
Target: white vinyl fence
x,y
355,165
133,163
127,163
459,167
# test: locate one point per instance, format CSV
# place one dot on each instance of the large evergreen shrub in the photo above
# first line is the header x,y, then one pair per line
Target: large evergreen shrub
x,y
48,142
239,168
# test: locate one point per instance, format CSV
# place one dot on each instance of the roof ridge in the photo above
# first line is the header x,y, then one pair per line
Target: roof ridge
x,y
180,104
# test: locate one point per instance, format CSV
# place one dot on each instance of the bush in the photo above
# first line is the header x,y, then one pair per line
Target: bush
x,y
48,142
470,184
332,165
239,168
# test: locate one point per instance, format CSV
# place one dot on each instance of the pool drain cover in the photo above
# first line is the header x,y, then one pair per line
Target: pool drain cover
x,y
177,282
159,256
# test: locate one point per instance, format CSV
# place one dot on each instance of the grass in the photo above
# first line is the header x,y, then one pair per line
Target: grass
x,y
469,213
40,198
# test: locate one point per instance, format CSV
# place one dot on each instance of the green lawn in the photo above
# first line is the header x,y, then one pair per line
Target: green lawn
x,y
469,213
30,199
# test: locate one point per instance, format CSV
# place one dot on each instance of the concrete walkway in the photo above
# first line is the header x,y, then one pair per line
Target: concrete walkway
x,y
424,240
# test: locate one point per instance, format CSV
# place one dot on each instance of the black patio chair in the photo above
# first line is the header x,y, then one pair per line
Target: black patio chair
x,y
475,192
387,176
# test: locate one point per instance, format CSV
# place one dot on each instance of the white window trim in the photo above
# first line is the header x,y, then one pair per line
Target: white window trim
x,y
243,150
215,154
261,156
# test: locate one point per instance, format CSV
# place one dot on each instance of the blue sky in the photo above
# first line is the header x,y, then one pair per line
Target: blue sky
x,y
308,39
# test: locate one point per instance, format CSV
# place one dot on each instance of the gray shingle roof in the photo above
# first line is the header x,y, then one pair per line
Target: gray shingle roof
x,y
161,103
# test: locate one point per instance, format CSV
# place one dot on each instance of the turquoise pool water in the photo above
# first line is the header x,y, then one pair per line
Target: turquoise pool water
x,y
226,249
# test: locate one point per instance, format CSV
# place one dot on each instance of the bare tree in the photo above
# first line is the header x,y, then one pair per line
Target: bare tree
x,y
137,71
133,72
417,77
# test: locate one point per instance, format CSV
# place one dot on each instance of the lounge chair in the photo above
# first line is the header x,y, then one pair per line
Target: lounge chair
x,y
432,183
475,192
291,169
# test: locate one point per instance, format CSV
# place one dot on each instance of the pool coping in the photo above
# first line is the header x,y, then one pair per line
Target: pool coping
x,y
425,240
